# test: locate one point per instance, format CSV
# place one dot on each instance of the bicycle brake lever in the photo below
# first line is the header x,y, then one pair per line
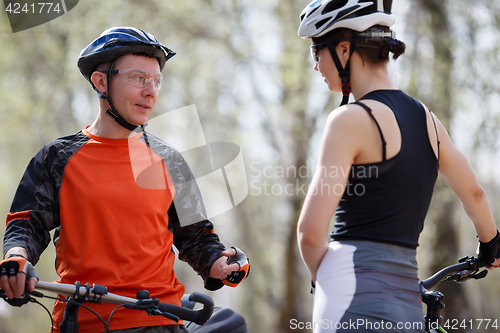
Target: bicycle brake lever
x,y
156,312
150,305
143,304
479,275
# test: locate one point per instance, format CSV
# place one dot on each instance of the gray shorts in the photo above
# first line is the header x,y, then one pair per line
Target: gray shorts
x,y
364,286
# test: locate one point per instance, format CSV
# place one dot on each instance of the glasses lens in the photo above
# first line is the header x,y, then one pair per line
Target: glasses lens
x,y
315,48
141,79
314,53
156,82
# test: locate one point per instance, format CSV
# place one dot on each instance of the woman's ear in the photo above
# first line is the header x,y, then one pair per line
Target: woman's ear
x,y
99,81
343,51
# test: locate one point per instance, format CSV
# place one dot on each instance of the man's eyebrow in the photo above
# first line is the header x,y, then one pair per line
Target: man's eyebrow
x,y
144,72
135,70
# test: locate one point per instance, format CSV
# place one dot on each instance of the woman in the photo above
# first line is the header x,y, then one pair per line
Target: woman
x,y
378,164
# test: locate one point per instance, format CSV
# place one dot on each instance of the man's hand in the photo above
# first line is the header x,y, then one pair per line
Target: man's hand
x,y
221,269
232,268
13,273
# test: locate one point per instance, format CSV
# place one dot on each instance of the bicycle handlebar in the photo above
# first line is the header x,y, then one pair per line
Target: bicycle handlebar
x,y
466,267
98,294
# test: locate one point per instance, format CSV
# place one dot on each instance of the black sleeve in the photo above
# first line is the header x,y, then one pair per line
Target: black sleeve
x,y
194,235
198,245
34,209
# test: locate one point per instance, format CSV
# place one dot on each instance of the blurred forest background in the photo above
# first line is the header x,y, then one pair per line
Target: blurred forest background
x,y
253,84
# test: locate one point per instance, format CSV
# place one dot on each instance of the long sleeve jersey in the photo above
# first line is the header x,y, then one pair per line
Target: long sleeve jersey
x,y
117,206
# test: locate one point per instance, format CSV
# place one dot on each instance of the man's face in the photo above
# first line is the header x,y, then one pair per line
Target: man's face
x,y
134,103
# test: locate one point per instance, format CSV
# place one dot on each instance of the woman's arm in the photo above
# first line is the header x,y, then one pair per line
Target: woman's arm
x,y
458,174
339,147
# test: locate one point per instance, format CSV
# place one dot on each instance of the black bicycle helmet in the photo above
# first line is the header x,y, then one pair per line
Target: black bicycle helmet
x,y
112,44
116,42
322,16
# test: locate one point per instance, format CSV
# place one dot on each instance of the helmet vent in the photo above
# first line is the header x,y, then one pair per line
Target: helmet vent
x,y
388,6
346,12
334,5
321,23
136,34
312,11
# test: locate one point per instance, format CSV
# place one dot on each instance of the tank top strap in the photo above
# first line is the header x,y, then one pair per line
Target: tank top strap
x,y
436,130
384,144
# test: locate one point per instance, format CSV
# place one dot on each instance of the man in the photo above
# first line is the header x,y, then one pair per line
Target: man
x,y
117,197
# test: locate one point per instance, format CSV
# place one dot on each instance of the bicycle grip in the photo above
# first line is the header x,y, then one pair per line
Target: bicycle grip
x,y
208,307
199,317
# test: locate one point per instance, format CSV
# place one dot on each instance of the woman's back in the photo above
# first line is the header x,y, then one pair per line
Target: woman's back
x,y
376,171
391,181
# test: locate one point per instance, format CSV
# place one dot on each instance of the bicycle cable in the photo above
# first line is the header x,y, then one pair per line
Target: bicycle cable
x,y
34,300
106,325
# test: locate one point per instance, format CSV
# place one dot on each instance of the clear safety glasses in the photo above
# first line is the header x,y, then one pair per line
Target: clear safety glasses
x,y
139,78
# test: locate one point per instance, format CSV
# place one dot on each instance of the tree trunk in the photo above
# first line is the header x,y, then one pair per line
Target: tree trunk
x,y
445,239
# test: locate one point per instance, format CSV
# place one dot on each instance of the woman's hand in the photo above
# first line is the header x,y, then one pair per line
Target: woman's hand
x,y
495,264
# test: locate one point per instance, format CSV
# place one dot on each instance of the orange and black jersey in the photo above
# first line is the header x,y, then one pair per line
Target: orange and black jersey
x,y
117,206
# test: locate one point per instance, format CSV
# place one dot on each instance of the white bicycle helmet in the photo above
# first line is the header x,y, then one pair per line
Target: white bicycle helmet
x,y
322,16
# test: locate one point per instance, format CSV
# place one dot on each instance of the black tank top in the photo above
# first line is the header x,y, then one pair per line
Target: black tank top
x,y
387,201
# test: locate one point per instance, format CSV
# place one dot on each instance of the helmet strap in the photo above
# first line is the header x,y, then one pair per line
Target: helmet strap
x,y
112,111
344,72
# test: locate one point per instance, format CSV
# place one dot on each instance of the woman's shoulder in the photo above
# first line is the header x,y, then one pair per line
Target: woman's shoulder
x,y
347,113
350,116
348,124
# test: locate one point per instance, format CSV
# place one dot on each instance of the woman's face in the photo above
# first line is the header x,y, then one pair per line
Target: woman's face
x,y
328,70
